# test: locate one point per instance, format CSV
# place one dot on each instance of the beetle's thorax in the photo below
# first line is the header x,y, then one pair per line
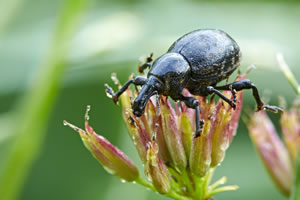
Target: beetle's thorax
x,y
173,71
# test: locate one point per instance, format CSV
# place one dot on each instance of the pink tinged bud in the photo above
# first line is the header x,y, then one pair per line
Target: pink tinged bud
x,y
219,134
137,132
290,125
112,159
156,170
272,151
155,120
235,116
172,135
185,126
200,157
224,125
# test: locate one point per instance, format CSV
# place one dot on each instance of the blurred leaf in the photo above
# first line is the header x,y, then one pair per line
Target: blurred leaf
x,y
7,12
34,109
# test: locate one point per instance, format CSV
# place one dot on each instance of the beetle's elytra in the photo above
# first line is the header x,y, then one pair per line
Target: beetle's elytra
x,y
197,61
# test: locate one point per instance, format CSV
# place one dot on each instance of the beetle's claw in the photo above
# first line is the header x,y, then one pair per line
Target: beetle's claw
x,y
233,105
110,93
199,131
273,109
201,124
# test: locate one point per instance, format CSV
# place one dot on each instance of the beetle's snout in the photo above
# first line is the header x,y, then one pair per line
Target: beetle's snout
x,y
148,90
137,110
140,102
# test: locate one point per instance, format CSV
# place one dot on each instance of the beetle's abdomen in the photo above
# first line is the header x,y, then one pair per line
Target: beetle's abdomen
x,y
212,54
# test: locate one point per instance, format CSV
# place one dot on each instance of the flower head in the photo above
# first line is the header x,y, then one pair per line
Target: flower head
x,y
177,163
280,157
272,151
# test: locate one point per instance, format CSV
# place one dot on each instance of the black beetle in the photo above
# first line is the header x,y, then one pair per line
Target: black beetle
x,y
197,61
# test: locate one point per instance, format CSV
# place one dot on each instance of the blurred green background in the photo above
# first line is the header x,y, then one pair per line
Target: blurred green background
x,y
55,57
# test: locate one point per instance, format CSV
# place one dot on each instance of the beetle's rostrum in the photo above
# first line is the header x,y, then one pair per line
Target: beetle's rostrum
x,y
197,61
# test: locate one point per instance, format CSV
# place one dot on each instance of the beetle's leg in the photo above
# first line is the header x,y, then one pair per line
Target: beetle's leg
x,y
211,90
247,84
142,67
139,80
191,102
233,92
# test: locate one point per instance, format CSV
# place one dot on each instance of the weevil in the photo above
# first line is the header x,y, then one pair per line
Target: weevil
x,y
197,61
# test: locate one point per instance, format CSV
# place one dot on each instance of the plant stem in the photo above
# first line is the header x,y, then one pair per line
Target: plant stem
x,y
34,109
288,73
296,187
145,183
171,194
187,181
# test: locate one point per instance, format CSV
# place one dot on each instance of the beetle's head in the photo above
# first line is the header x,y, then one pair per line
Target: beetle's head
x,y
152,87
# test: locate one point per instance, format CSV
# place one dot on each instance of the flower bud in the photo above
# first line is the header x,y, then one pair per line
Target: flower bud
x,y
156,170
172,135
113,160
224,125
200,157
272,151
220,139
290,126
155,119
137,132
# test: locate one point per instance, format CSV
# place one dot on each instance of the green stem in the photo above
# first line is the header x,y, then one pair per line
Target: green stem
x,y
145,183
206,182
34,109
288,73
296,187
198,186
187,181
171,194
174,195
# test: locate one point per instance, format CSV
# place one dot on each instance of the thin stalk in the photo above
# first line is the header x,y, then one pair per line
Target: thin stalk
x,y
223,189
296,187
174,195
145,183
187,181
171,194
198,181
207,180
288,73
34,109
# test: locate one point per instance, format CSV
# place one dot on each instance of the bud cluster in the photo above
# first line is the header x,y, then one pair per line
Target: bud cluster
x,y
177,163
